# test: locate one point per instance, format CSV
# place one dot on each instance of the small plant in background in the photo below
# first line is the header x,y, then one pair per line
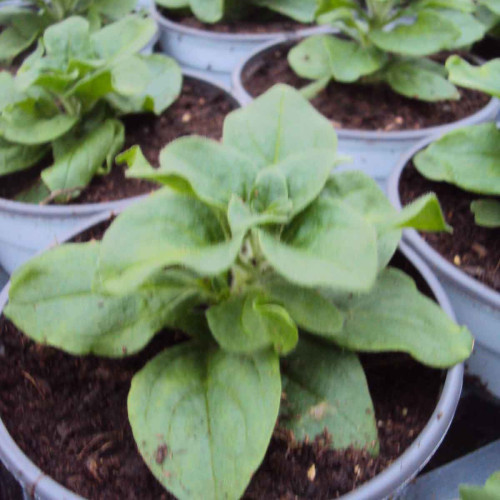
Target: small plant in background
x,y
212,11
68,96
490,491
469,158
277,271
387,41
24,24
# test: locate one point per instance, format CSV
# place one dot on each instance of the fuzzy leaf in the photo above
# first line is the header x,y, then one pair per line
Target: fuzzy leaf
x,y
326,389
276,125
395,316
166,229
468,158
486,213
485,78
51,300
203,418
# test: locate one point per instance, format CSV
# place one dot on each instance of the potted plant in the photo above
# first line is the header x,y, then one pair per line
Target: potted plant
x,y
277,272
76,102
376,81
462,166
24,22
213,36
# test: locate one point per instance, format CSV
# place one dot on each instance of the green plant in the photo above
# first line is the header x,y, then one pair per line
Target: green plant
x,y
490,491
67,98
387,41
24,24
212,11
469,157
257,252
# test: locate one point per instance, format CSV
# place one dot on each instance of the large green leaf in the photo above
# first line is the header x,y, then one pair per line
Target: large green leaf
x,y
123,38
82,157
166,229
486,213
276,125
329,244
485,78
490,491
323,56
51,300
69,39
325,389
202,418
493,5
419,80
468,157
429,33
471,30
21,29
251,322
395,316
214,171
115,9
307,307
300,10
15,157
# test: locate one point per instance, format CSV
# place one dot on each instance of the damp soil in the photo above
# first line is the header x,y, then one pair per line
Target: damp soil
x,y
360,107
200,109
259,21
473,249
68,414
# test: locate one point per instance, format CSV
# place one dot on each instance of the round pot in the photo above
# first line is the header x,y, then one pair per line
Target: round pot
x,y
475,304
216,54
26,228
373,152
37,485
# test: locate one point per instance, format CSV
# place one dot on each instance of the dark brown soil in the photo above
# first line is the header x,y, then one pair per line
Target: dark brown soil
x,y
200,109
69,416
259,21
361,107
473,249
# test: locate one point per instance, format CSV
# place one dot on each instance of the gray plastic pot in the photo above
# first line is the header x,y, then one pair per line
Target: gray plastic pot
x,y
215,54
373,152
26,228
37,485
475,304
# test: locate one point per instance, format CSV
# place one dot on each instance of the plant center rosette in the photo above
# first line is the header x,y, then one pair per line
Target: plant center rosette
x,y
277,271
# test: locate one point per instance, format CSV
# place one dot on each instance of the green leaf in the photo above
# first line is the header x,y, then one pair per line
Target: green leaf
x,y
69,39
329,244
15,157
324,56
158,84
395,316
491,490
52,301
203,418
418,81
471,30
493,5
300,10
468,158
123,38
486,213
82,158
26,124
115,9
276,125
250,322
326,389
166,229
307,307
21,29
485,78
208,11
214,171
429,33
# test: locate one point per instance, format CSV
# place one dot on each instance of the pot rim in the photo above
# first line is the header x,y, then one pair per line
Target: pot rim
x,y
93,208
480,115
395,477
168,24
467,283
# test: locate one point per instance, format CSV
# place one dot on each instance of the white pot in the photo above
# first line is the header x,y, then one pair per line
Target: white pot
x,y
215,54
475,304
373,152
